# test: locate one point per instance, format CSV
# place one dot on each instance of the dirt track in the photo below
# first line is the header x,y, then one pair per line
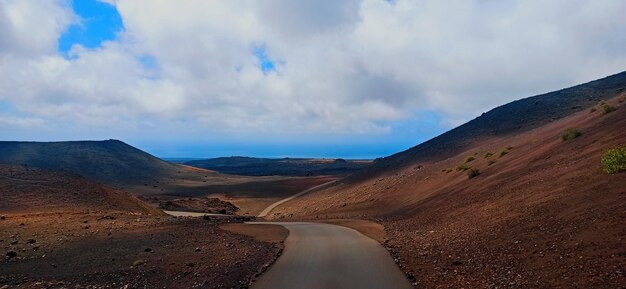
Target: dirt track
x,y
271,207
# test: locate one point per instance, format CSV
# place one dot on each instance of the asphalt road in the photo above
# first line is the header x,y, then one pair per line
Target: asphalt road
x,y
323,256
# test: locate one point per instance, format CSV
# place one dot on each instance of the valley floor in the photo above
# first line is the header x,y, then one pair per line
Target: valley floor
x,y
122,250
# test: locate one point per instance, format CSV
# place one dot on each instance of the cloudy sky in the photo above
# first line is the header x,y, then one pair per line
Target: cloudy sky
x,y
288,78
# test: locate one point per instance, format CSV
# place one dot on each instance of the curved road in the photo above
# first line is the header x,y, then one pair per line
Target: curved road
x,y
274,205
323,256
326,256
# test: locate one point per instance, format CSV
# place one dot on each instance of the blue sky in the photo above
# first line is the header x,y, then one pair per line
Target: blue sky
x,y
351,79
99,22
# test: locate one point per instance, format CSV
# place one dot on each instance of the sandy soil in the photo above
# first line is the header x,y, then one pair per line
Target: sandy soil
x,y
265,233
58,230
249,194
65,250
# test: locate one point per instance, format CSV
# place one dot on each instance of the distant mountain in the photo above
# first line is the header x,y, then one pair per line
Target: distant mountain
x,y
248,166
110,161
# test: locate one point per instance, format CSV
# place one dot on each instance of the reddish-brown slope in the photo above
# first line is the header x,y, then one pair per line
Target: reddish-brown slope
x,y
59,230
542,216
30,190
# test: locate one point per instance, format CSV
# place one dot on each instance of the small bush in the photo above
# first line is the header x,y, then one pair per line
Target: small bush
x,y
472,173
614,160
488,155
608,109
570,133
469,159
491,162
462,168
503,152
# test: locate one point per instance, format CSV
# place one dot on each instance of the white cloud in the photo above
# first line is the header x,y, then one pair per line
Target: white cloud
x,y
32,27
11,122
342,66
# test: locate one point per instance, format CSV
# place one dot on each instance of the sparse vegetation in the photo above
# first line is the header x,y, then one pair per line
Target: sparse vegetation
x,y
608,109
488,155
592,110
469,159
491,162
503,152
614,160
570,133
472,173
462,167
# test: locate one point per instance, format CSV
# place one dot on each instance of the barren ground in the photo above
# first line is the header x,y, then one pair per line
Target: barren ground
x,y
543,215
62,231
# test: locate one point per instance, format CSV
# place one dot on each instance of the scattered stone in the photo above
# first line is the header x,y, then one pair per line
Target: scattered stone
x,y
190,264
457,263
148,250
139,263
198,249
11,254
13,242
31,241
3,217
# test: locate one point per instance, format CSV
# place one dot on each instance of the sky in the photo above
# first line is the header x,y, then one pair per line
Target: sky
x,y
276,78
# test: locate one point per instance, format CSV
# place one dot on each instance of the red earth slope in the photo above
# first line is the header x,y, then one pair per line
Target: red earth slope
x,y
541,213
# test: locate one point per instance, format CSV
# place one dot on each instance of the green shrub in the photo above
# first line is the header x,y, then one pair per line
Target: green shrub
x,y
614,160
488,155
570,133
472,173
469,159
503,152
608,109
462,167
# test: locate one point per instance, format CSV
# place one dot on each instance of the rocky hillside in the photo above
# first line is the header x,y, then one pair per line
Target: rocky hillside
x,y
517,198
32,190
